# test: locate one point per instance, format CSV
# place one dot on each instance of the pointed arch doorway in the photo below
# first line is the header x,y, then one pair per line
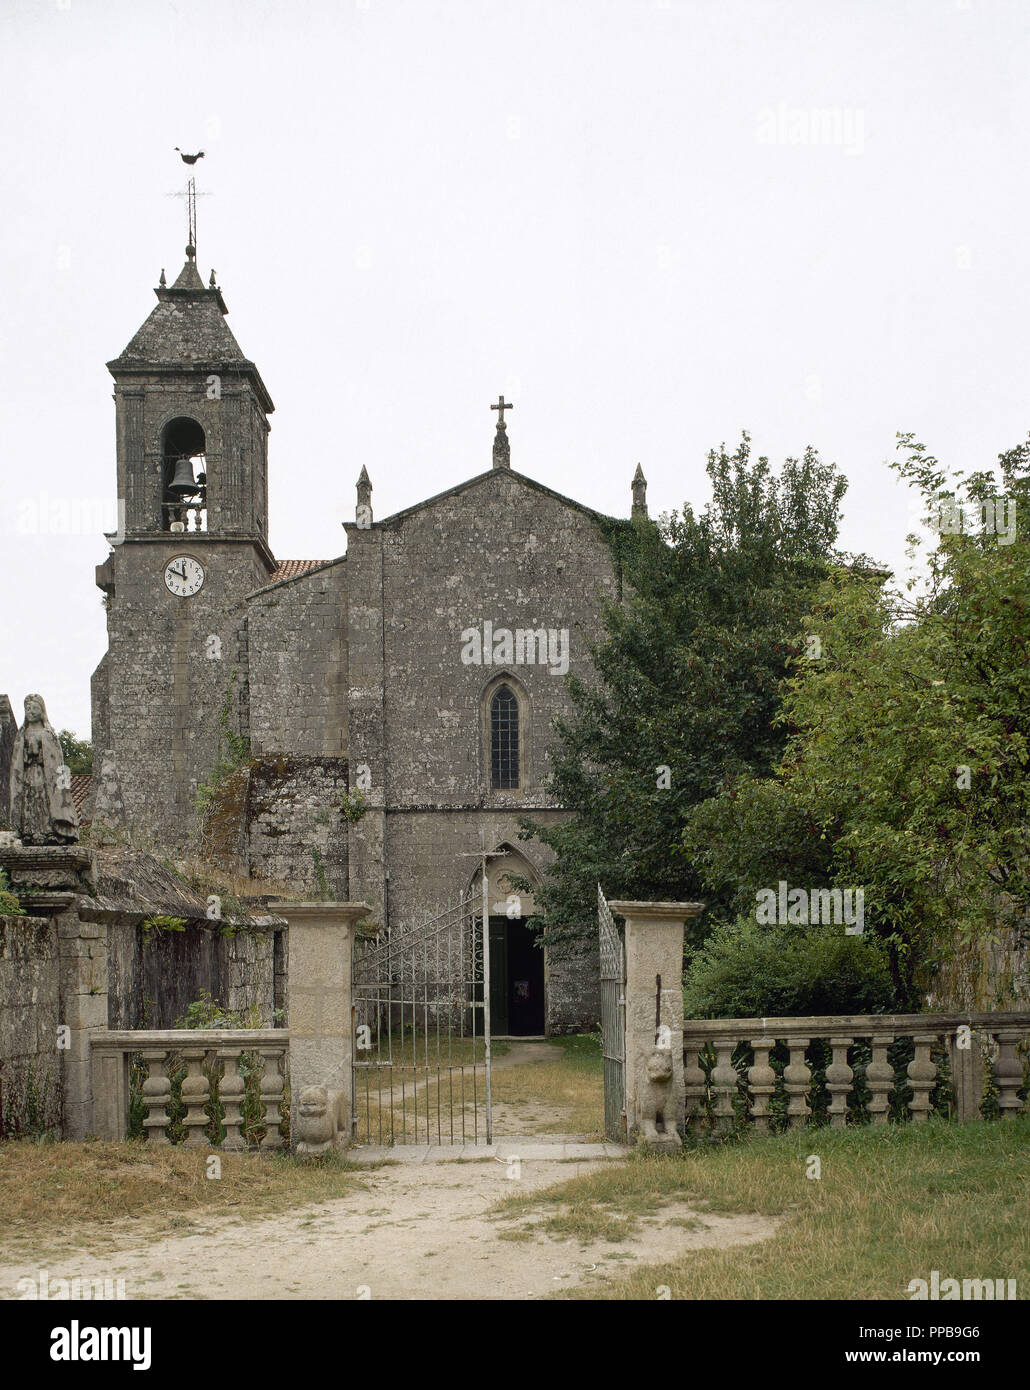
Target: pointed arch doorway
x,y
518,969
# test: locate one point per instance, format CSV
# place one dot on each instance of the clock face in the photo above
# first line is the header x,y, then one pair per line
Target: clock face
x,y
184,576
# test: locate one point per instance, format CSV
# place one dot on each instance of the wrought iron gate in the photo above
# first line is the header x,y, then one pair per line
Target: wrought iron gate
x,y
613,1021
421,1006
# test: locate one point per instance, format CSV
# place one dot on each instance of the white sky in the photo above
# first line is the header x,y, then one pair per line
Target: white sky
x,y
587,205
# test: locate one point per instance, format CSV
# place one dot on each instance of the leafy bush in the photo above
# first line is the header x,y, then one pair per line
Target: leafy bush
x,y
9,904
745,970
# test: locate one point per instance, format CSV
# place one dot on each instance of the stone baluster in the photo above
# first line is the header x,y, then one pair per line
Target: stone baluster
x,y
880,1078
797,1077
724,1082
1008,1070
694,1082
157,1093
762,1080
839,1077
272,1082
230,1093
195,1092
922,1073
965,1050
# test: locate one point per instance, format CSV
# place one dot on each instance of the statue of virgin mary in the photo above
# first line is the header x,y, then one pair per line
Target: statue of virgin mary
x,y
42,810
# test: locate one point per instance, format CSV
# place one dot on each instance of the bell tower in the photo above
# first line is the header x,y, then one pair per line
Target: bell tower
x,y
191,419
191,425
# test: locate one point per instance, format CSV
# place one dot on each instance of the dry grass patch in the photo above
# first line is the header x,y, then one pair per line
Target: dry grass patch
x,y
572,1085
892,1204
62,1193
569,1091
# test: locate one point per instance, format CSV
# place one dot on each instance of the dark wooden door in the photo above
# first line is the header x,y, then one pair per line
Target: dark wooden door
x,y
516,979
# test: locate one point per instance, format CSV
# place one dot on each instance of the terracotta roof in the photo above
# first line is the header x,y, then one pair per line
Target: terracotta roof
x,y
289,569
80,789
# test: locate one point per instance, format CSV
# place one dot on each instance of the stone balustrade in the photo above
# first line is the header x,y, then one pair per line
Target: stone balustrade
x,y
206,1071
728,1070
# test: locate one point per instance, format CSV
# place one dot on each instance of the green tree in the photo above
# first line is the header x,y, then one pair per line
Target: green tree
x,y
78,752
687,677
905,773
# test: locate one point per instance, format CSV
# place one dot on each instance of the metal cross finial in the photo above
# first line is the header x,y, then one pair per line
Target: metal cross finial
x,y
501,406
191,195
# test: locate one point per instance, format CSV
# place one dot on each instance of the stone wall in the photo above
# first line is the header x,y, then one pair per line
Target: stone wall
x,y
574,985
30,1084
296,831
153,976
500,550
985,975
297,641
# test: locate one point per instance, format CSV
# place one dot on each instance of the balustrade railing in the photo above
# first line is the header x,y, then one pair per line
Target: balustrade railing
x,y
222,1088
778,1073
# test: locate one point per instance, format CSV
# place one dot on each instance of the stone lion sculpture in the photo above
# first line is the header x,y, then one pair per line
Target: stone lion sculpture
x,y
318,1114
658,1104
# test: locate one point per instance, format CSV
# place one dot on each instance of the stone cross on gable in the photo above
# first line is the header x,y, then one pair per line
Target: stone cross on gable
x,y
502,450
502,405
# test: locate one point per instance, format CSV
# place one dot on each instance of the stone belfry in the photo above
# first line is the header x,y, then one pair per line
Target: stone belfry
x,y
191,408
191,418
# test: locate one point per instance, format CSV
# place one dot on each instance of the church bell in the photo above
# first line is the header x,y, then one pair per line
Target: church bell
x,y
183,481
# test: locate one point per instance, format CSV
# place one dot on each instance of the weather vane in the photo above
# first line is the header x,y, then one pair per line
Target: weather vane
x,y
190,195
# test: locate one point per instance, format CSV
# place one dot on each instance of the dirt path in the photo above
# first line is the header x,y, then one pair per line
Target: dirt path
x,y
536,1119
519,1053
417,1231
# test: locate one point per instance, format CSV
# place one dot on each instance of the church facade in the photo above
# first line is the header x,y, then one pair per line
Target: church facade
x,y
390,710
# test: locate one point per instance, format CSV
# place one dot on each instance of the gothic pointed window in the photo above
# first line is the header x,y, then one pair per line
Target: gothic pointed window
x,y
504,739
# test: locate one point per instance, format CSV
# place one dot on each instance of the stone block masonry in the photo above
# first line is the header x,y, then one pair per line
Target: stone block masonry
x,y
281,820
30,1063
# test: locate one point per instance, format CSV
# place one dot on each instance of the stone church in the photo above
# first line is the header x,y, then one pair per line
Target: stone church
x,y
396,701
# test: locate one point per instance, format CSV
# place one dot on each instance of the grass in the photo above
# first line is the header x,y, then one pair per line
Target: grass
x,y
891,1205
60,1193
426,1110
573,1085
431,1112
428,1106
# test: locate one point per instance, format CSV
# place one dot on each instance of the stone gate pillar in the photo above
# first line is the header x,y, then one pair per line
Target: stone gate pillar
x,y
319,1011
654,1000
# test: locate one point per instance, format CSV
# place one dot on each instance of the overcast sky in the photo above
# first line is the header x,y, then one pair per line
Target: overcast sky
x,y
651,223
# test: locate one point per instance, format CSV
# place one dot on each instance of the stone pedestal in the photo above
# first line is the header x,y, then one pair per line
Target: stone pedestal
x,y
654,1004
320,1017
